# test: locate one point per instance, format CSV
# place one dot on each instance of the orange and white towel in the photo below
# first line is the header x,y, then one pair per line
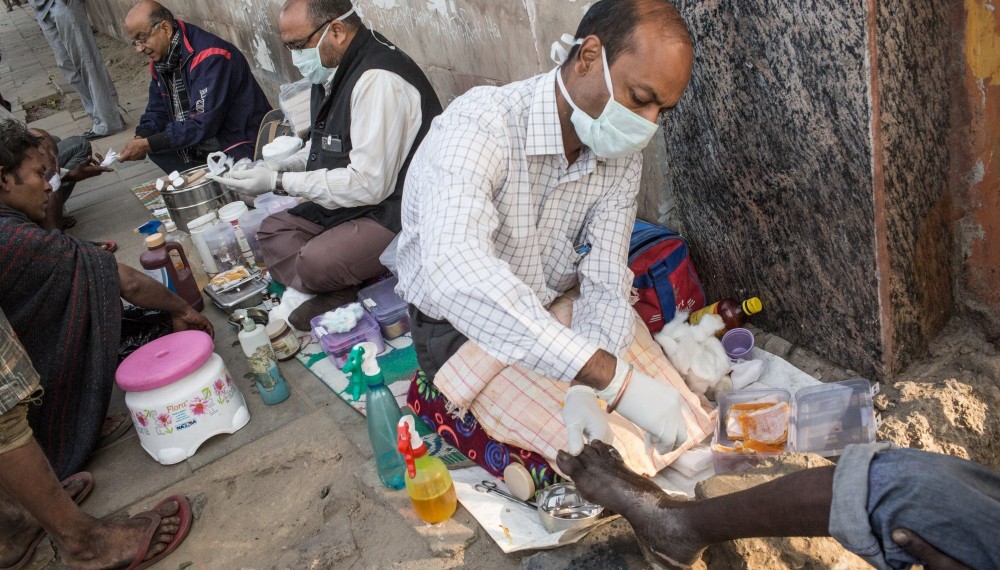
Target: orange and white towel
x,y
523,408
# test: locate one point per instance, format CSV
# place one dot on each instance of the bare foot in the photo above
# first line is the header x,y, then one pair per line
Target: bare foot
x,y
659,522
18,529
115,545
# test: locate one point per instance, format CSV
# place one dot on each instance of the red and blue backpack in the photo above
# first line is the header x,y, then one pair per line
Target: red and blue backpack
x,y
665,279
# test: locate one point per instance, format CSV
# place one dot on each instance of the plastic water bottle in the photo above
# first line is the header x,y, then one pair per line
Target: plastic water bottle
x,y
382,411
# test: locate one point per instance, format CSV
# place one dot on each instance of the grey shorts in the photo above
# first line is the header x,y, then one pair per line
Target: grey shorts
x,y
951,503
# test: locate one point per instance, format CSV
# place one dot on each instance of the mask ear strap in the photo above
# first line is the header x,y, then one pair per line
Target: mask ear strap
x,y
607,72
557,53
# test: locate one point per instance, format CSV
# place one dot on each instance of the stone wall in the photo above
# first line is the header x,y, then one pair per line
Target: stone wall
x,y
976,169
810,161
459,43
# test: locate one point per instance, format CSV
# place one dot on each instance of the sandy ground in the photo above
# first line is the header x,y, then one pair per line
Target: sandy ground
x,y
948,402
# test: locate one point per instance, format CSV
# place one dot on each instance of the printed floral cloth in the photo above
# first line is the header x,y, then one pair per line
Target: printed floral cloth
x,y
521,408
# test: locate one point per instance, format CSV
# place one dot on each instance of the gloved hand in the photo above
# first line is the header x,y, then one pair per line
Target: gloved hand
x,y
650,404
584,418
258,180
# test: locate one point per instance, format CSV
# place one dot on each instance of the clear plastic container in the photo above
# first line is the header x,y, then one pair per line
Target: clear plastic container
x,y
221,242
388,308
337,346
250,222
824,420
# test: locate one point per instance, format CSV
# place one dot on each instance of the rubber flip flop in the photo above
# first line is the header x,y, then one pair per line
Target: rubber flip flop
x,y
116,433
88,486
92,136
186,516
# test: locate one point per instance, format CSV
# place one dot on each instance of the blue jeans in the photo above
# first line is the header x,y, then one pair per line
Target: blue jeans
x,y
951,503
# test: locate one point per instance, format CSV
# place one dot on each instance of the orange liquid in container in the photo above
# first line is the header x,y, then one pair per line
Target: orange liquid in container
x,y
438,508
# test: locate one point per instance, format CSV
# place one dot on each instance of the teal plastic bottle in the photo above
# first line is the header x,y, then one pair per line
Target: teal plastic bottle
x,y
383,413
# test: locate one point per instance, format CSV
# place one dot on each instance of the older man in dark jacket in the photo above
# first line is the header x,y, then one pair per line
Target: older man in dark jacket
x,y
203,97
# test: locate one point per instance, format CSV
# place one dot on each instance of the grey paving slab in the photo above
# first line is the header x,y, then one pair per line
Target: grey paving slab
x,y
126,473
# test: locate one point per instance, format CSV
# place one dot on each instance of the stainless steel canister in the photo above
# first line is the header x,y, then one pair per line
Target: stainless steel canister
x,y
191,202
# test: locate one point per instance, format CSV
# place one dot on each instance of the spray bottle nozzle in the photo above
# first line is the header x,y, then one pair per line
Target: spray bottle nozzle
x,y
409,444
352,368
362,368
149,228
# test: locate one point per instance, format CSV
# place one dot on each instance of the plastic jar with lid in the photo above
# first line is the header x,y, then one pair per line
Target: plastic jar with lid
x,y
283,339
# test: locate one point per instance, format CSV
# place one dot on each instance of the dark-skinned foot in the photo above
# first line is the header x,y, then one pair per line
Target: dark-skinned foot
x,y
19,530
658,521
115,545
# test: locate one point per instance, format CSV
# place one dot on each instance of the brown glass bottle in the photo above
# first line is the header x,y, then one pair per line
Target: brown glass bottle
x,y
734,314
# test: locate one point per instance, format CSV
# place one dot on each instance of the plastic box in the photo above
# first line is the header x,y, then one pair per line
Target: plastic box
x,y
387,307
337,346
823,419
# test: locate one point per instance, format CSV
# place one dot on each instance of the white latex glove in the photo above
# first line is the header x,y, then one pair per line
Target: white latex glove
x,y
655,407
585,419
258,180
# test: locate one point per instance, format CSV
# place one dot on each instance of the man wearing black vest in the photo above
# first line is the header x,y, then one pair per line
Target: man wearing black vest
x,y
371,107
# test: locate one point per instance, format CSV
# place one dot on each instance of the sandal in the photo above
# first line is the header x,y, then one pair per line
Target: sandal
x,y
115,426
183,511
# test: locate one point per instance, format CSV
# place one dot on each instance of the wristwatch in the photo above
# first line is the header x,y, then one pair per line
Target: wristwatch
x,y
279,189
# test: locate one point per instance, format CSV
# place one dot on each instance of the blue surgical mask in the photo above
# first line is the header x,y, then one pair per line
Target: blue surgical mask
x,y
308,60
617,131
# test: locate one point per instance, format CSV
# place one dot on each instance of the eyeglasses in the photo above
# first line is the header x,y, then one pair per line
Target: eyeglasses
x,y
296,46
141,39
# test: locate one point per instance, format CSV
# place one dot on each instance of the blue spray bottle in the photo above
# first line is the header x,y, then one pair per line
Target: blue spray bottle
x,y
383,413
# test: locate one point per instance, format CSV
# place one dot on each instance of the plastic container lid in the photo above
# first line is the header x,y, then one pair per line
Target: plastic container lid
x,y
164,361
231,212
170,226
382,301
155,240
261,202
276,328
367,330
206,220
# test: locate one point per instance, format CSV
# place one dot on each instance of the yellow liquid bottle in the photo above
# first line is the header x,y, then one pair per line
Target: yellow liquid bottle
x,y
428,482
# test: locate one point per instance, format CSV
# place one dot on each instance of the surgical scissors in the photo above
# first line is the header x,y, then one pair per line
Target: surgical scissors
x,y
491,487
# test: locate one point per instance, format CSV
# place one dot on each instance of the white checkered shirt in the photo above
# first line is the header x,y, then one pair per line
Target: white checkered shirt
x,y
492,218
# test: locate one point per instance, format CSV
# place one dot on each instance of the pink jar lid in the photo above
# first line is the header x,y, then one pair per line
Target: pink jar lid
x,y
164,361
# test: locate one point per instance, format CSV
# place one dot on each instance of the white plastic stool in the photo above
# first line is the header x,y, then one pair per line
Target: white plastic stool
x,y
179,395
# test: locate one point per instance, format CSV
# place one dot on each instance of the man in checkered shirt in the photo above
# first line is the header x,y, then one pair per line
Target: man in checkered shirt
x,y
520,193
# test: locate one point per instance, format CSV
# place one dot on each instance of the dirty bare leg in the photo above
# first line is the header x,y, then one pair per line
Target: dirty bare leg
x,y
83,541
675,532
18,528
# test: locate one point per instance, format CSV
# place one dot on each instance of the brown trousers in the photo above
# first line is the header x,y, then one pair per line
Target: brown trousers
x,y
299,254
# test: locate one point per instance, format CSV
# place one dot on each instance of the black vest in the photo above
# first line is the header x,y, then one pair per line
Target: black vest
x,y
331,128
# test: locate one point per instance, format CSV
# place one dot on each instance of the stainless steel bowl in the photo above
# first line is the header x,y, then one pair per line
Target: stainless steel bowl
x,y
560,507
191,202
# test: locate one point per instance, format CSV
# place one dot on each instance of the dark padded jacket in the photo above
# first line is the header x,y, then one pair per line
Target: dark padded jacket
x,y
226,101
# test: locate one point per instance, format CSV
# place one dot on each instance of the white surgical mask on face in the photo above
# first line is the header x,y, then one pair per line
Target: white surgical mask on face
x,y
309,62
56,181
617,131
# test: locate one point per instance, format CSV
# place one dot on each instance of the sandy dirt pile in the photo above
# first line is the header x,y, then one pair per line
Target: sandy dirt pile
x,y
950,401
